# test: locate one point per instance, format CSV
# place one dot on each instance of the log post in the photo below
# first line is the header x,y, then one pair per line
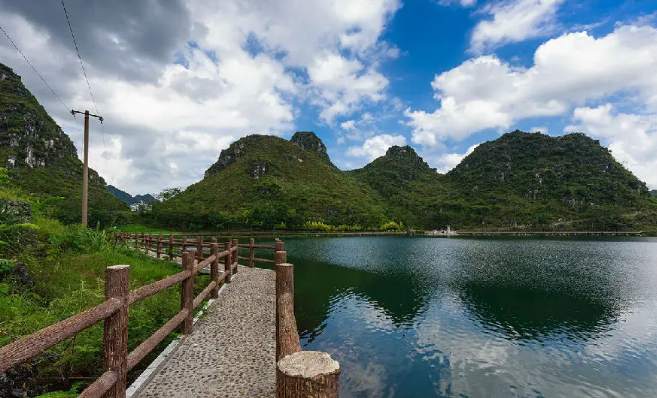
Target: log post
x,y
187,293
184,245
236,244
143,240
228,262
159,245
199,248
115,335
307,374
287,338
251,253
171,255
150,243
280,257
214,268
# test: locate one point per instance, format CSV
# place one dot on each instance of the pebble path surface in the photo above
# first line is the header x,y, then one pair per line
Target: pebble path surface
x,y
231,352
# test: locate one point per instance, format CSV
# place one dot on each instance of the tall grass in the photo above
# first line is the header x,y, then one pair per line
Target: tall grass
x,y
68,268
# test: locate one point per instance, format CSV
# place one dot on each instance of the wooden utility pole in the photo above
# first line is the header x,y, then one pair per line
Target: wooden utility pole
x,y
85,169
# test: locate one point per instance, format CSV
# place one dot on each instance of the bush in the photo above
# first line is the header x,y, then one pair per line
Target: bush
x,y
392,226
318,226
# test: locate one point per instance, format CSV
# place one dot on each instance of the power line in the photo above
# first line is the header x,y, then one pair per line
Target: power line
x,y
84,71
79,57
68,108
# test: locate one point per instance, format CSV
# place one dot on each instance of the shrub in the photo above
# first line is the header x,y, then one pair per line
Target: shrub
x,y
318,226
392,226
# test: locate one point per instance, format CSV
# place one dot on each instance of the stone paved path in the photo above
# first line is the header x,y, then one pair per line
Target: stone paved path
x,y
231,351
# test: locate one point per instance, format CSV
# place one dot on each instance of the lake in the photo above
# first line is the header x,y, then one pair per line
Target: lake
x,y
481,317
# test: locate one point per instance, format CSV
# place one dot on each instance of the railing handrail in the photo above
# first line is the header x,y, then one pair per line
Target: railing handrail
x,y
155,243
299,374
117,361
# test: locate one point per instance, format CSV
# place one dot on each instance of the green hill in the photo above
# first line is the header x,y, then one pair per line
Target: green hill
x,y
129,199
264,181
535,179
409,188
42,159
518,181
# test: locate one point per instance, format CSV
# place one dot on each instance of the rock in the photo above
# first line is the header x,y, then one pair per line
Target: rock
x,y
310,142
19,382
20,276
15,211
259,169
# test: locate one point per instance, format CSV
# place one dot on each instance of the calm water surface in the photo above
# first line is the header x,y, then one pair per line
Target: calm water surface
x,y
427,317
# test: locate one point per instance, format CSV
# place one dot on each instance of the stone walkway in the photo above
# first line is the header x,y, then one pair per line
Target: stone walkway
x,y
231,351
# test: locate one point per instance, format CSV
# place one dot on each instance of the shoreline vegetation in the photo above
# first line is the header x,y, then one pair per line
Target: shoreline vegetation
x,y
433,233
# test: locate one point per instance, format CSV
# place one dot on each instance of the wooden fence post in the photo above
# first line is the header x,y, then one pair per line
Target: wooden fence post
x,y
159,245
228,262
236,244
187,293
307,374
280,257
199,248
184,245
171,255
150,243
214,268
115,335
143,241
251,253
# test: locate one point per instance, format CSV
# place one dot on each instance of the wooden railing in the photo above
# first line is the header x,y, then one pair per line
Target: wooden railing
x,y
117,361
298,373
178,244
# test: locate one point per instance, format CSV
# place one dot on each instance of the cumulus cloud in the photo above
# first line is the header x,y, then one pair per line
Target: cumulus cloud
x,y
514,21
376,146
448,161
568,71
178,81
542,129
462,3
632,138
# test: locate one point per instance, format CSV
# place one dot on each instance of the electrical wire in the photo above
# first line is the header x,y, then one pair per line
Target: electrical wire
x,y
68,108
84,71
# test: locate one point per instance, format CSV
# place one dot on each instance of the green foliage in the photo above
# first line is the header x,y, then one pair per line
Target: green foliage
x,y
317,226
265,181
42,159
392,226
518,181
80,239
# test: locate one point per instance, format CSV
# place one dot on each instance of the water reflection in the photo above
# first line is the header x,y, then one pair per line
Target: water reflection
x,y
481,318
532,313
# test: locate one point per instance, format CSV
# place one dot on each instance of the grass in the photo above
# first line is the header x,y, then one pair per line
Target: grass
x,y
68,266
145,229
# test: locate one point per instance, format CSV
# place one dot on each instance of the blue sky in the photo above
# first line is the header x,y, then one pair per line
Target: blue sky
x,y
177,81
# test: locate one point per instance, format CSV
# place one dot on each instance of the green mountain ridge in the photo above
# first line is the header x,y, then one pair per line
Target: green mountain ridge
x,y
263,180
520,180
129,199
42,160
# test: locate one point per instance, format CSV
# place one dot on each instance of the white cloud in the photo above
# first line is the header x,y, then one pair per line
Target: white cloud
x,y
462,3
486,92
632,138
542,129
514,21
348,125
448,161
376,146
342,85
247,68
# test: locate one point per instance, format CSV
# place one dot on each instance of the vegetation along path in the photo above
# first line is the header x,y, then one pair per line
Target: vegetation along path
x,y
231,352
